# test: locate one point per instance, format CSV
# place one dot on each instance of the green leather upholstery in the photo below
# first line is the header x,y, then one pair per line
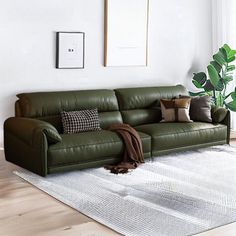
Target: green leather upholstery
x,y
26,145
76,149
145,97
140,105
34,138
48,105
167,136
142,116
51,103
28,130
218,114
54,121
106,119
226,121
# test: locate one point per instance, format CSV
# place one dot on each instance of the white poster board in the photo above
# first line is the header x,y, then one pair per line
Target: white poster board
x,y
70,50
126,29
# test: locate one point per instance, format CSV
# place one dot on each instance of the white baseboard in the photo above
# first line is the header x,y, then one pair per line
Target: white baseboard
x,y
233,134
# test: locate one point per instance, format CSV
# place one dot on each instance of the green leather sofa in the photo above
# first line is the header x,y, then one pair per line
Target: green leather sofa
x,y
34,139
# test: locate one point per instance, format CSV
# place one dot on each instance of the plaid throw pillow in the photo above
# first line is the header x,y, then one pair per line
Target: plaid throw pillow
x,y
80,121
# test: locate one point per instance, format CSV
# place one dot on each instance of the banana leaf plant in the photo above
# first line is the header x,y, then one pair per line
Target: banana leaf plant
x,y
220,73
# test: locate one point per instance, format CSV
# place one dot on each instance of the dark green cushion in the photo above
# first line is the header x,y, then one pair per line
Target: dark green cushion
x,y
142,105
90,146
218,114
29,130
51,133
106,119
175,135
41,104
141,116
48,105
146,97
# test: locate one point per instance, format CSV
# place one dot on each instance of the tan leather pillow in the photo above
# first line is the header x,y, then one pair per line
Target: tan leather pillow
x,y
175,110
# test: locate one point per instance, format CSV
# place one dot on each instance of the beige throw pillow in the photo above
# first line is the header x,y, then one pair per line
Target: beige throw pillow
x,y
175,110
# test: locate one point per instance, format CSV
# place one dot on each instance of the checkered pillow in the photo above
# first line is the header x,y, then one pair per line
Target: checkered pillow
x,y
80,121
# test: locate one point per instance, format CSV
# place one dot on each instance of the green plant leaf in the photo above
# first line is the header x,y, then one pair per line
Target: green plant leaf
x,y
223,53
219,100
227,79
231,105
198,85
202,93
230,68
219,58
213,74
200,78
231,59
227,48
217,66
220,86
232,53
208,86
233,95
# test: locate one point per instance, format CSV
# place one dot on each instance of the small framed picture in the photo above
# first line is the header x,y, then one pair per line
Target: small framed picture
x,y
70,50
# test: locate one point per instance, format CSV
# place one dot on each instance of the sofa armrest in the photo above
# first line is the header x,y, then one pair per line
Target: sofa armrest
x,y
221,115
26,143
29,130
218,114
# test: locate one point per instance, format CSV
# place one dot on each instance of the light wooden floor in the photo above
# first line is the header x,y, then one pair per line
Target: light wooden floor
x,y
27,211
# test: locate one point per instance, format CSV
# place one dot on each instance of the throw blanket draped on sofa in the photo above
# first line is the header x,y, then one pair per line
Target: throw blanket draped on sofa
x,y
133,153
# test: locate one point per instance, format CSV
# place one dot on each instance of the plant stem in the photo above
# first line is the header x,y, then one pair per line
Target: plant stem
x,y
223,76
227,96
214,95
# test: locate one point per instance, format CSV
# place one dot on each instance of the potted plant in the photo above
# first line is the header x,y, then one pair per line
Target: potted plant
x,y
220,74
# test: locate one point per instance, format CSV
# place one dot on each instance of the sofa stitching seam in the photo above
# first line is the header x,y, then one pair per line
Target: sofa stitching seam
x,y
186,132
90,145
76,163
211,143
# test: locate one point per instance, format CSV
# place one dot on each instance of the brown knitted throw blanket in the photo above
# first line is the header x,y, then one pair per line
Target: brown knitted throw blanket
x,y
133,153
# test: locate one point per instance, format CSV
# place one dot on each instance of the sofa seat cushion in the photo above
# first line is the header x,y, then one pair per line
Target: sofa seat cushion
x,y
90,146
177,135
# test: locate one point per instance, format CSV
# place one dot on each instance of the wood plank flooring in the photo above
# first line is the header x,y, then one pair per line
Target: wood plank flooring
x,y
27,211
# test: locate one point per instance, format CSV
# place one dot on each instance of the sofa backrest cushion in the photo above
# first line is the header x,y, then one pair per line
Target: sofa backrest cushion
x,y
48,105
142,105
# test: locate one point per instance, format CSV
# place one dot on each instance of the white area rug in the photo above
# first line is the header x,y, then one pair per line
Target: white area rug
x,y
180,194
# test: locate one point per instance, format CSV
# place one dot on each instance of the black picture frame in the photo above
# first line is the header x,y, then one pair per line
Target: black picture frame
x,y
59,63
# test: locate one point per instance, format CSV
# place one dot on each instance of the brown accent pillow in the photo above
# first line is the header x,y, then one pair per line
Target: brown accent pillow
x,y
200,108
175,110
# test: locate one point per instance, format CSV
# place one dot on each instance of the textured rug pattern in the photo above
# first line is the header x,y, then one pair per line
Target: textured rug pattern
x,y
179,194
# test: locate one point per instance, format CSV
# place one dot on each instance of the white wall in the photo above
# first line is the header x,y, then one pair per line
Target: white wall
x,y
224,23
180,42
